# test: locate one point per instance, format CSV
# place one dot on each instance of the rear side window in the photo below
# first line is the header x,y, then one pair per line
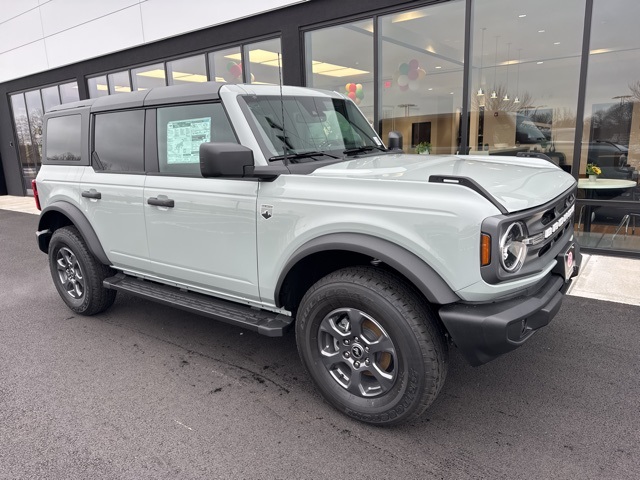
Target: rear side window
x,y
119,141
182,129
63,142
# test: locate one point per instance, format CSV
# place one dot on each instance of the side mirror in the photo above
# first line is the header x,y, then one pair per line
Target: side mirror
x,y
395,141
225,160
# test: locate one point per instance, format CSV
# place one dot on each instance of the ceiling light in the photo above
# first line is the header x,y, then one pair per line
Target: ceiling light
x,y
404,17
539,63
522,16
438,67
600,50
480,92
189,77
101,86
516,100
450,93
430,89
332,70
157,73
122,89
556,43
541,31
494,94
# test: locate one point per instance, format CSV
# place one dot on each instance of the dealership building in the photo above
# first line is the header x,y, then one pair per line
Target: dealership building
x,y
479,77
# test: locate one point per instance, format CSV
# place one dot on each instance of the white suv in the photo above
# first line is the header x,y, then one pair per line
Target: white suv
x,y
202,197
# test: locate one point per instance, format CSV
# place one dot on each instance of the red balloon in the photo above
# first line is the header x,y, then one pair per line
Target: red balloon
x,y
352,87
413,74
352,95
236,70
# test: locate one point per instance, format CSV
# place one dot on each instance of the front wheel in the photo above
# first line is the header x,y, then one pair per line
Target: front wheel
x,y
371,345
77,274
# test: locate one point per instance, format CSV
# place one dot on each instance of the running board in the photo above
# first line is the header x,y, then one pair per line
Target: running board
x,y
266,323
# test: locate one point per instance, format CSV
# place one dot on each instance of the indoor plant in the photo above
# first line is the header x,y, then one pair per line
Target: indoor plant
x,y
593,171
423,148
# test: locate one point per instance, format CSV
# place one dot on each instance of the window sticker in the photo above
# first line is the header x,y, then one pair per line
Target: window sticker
x,y
184,138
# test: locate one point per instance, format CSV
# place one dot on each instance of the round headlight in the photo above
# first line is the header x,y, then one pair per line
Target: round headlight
x,y
513,250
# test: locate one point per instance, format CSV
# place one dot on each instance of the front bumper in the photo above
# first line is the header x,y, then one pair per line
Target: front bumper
x,y
486,331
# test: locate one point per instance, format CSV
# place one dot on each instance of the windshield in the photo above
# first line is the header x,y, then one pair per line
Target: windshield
x,y
315,126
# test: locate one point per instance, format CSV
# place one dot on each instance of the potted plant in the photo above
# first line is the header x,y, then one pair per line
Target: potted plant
x,y
423,148
593,171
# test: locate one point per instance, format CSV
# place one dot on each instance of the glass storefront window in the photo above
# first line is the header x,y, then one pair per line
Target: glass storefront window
x,y
50,97
611,133
263,62
421,76
98,86
225,66
69,92
119,82
526,69
187,70
35,113
350,70
26,153
144,78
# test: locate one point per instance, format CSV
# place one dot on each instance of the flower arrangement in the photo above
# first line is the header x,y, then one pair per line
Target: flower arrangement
x,y
423,147
593,169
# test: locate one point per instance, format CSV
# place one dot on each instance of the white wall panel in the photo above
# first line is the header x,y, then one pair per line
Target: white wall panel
x,y
23,61
13,8
114,32
59,15
165,18
20,30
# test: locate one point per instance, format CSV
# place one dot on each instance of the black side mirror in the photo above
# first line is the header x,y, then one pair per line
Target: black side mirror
x,y
395,141
225,160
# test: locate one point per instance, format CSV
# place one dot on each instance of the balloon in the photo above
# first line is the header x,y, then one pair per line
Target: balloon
x,y
358,86
352,87
414,85
404,89
346,87
360,94
413,64
403,80
421,74
357,100
403,69
236,71
352,95
229,65
413,75
253,78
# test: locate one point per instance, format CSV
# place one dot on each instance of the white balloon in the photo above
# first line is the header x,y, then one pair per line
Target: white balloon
x,y
403,80
414,85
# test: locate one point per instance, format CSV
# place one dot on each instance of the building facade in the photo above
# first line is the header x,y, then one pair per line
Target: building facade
x,y
484,77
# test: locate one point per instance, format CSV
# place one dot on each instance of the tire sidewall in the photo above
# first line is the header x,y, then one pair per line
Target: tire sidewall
x,y
406,393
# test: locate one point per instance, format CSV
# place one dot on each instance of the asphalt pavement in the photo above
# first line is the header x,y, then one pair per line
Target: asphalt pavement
x,y
143,391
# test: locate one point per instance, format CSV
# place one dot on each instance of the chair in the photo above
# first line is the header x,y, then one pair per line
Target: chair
x,y
630,215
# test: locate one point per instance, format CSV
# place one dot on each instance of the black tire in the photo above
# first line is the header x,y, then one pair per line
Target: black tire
x,y
396,358
77,274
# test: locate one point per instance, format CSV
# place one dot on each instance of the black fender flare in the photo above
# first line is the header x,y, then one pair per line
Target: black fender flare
x,y
423,276
78,219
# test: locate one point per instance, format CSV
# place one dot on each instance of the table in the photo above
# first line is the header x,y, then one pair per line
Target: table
x,y
600,184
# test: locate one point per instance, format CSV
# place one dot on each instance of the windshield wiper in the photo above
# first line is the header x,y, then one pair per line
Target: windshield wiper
x,y
293,156
366,148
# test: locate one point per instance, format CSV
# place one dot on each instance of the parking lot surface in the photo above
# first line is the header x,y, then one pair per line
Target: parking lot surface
x,y
145,391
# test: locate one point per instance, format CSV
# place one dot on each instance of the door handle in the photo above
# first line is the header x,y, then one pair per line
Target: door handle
x,y
93,193
161,202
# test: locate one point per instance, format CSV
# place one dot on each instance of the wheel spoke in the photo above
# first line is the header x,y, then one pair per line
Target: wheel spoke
x,y
330,359
356,318
77,288
61,263
355,383
383,344
329,326
384,379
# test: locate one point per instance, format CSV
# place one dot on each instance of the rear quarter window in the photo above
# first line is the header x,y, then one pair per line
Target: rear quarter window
x,y
64,139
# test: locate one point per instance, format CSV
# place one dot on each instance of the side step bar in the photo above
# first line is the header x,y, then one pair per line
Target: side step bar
x,y
266,323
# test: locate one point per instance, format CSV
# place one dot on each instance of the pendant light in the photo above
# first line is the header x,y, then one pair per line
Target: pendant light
x,y
517,100
506,94
495,70
480,90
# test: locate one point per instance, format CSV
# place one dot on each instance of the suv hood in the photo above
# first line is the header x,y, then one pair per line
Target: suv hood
x,y
517,183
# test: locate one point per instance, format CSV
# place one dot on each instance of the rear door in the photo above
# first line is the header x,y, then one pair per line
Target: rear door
x,y
201,231
111,191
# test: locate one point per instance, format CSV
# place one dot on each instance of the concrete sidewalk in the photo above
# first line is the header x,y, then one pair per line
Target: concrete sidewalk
x,y
613,279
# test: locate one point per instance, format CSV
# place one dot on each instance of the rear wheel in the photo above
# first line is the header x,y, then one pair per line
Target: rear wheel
x,y
77,274
371,345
